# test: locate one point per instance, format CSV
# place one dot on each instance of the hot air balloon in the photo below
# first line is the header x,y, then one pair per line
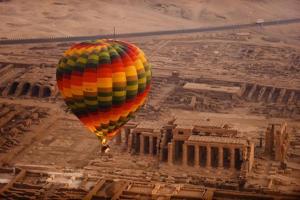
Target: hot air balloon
x,y
104,82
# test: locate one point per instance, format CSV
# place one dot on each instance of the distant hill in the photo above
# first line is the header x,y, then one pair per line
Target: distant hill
x,y
22,18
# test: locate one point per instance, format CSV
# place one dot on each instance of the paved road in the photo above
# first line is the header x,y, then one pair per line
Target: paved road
x,y
143,34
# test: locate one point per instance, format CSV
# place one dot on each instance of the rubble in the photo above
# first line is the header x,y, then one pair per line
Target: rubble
x,y
15,121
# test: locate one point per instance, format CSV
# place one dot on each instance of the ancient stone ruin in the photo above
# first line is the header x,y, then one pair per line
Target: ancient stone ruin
x,y
33,82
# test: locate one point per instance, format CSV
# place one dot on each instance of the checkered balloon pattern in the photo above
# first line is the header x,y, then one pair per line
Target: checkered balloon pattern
x,y
104,82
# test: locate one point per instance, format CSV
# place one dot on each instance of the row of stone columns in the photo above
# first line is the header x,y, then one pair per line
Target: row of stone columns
x,y
129,137
142,144
197,155
268,93
27,89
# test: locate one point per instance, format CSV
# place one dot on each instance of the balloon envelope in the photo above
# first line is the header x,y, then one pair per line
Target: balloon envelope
x,y
104,82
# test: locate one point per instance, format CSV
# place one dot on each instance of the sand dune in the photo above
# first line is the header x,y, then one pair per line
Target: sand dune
x,y
21,18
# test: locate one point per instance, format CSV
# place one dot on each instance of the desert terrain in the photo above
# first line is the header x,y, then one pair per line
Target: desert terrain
x,y
28,19
238,85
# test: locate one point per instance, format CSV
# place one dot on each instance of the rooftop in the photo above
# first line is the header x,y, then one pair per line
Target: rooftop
x,y
191,123
209,87
153,125
210,139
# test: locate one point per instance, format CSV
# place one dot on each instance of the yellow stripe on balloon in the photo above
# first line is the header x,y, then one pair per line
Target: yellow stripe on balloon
x,y
139,65
132,87
119,77
142,80
90,102
71,62
104,82
82,60
130,71
80,104
119,93
142,57
109,98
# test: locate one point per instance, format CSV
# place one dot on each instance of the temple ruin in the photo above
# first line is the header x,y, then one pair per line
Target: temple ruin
x,y
35,82
190,146
269,94
277,141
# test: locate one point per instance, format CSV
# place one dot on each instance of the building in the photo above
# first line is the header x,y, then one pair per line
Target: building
x,y
197,146
36,82
277,141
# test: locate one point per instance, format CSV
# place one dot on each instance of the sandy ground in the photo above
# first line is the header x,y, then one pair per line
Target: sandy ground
x,y
266,56
21,18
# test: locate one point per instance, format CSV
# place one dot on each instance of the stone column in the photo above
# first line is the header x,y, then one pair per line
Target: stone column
x,y
261,93
232,158
244,153
268,141
142,144
197,160
118,139
278,145
160,145
208,156
252,90
19,89
129,145
271,94
220,156
242,90
184,154
127,132
160,150
281,95
170,153
291,98
151,145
